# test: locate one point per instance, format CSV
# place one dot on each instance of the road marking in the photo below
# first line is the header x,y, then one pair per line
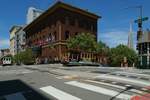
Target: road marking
x,y
98,89
58,94
133,73
67,77
59,77
116,86
16,96
113,82
144,89
127,85
112,85
135,81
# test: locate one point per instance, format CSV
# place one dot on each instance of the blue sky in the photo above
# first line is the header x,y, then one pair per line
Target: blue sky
x,y
113,28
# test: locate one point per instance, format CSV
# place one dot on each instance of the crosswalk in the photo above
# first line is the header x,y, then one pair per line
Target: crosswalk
x,y
124,79
62,95
58,93
99,90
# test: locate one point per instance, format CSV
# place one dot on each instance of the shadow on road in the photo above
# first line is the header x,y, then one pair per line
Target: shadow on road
x,y
16,89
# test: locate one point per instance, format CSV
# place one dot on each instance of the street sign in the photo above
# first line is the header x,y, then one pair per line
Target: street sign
x,y
139,20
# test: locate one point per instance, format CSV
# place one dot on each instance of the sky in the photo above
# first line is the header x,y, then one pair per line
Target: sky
x,y
113,27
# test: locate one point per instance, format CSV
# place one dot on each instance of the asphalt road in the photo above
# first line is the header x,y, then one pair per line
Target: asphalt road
x,y
19,83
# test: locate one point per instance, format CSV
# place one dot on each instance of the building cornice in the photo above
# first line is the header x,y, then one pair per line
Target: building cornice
x,y
61,5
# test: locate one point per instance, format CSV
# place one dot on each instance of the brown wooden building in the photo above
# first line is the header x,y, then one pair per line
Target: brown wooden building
x,y
49,32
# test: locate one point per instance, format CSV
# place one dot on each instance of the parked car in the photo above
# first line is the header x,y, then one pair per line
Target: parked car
x,y
89,63
81,63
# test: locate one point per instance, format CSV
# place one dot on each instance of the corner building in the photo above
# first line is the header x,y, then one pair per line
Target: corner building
x,y
48,33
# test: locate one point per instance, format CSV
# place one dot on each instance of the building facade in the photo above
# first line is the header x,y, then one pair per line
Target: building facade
x,y
13,31
4,52
130,37
32,14
20,40
143,47
47,35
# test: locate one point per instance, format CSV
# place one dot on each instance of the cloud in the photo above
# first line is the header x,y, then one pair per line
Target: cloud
x,y
4,43
114,37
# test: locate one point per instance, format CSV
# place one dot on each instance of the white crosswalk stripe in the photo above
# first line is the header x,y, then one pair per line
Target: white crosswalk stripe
x,y
58,94
116,86
100,90
127,80
63,95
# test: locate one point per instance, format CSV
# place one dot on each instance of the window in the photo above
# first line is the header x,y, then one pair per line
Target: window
x,y
81,23
55,38
92,27
67,20
76,33
49,37
67,35
72,21
43,36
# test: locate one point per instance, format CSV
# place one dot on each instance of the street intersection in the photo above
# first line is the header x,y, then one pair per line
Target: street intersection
x,y
55,82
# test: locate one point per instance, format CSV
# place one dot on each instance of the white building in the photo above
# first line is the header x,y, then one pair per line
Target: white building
x,y
32,14
13,31
20,40
4,52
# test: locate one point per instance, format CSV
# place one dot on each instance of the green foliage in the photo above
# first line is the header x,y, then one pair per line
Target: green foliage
x,y
26,57
87,42
117,55
16,58
102,48
83,41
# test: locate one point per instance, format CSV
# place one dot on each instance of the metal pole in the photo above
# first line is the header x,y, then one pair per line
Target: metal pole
x,y
141,11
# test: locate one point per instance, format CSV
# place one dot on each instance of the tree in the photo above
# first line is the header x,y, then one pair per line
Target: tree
x,y
17,58
26,57
102,48
118,53
83,41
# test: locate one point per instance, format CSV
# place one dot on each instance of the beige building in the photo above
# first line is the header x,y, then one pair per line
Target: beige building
x,y
13,31
4,52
